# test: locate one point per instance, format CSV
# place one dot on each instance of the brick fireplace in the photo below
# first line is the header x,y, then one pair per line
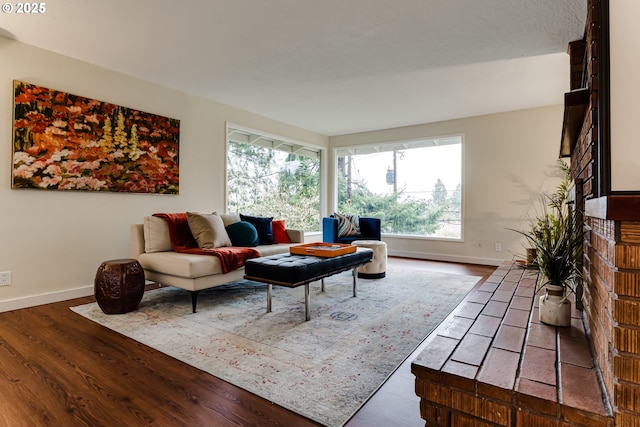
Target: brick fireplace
x,y
463,384
612,245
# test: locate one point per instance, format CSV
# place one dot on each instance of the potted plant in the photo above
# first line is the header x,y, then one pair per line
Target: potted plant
x,y
557,240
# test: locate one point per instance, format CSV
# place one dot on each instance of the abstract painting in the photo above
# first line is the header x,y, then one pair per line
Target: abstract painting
x,y
68,142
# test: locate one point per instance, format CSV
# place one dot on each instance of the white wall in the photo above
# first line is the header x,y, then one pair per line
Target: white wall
x,y
53,242
507,158
625,91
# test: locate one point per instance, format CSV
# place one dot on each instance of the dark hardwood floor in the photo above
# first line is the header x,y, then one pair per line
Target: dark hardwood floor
x,y
59,369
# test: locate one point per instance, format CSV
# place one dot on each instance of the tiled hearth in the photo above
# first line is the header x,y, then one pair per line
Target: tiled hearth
x,y
492,363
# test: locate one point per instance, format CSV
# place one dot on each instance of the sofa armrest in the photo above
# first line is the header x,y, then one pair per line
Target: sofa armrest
x,y
329,230
296,236
136,240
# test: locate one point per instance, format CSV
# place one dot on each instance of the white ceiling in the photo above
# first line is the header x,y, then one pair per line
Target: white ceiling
x,y
330,66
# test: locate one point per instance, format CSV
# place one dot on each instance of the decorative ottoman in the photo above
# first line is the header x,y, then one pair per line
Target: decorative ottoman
x,y
119,286
377,268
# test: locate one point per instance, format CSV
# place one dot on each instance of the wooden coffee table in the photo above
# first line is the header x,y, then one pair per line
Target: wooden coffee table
x,y
296,270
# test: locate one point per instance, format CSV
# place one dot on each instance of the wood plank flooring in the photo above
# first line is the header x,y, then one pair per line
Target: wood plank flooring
x,y
59,369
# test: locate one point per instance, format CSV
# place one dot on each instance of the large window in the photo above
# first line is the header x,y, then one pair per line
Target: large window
x,y
414,187
268,176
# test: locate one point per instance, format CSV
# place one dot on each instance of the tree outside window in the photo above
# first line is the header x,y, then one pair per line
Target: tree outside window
x,y
269,182
415,187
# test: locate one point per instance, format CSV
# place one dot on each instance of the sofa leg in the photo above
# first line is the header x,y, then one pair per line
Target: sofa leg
x,y
194,300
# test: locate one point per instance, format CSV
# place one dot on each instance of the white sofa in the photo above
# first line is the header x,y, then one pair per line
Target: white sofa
x,y
151,246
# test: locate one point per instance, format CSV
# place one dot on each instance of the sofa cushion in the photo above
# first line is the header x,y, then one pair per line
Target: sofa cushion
x,y
263,226
208,230
280,231
348,225
243,233
181,265
156,235
266,250
193,266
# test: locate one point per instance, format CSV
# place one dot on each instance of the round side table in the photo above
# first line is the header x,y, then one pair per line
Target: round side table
x,y
119,286
377,268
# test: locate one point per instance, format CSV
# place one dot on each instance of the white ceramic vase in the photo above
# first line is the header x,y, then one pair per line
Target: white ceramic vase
x,y
555,308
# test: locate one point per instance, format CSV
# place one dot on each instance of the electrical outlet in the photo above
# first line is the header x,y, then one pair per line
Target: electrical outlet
x,y
498,247
5,278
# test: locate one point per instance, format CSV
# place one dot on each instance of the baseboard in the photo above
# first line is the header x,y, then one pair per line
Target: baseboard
x,y
47,298
448,258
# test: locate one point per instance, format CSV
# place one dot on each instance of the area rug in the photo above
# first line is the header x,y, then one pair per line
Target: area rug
x,y
324,369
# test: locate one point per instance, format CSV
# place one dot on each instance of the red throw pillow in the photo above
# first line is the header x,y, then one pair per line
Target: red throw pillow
x,y
279,231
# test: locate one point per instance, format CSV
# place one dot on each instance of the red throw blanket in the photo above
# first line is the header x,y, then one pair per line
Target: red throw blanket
x,y
231,258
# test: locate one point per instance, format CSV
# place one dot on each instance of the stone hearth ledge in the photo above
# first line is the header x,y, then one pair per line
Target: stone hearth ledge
x,y
491,362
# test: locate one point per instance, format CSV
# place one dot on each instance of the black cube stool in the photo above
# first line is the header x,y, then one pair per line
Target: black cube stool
x,y
119,286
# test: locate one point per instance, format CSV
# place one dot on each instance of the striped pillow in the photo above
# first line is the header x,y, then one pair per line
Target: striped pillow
x,y
348,225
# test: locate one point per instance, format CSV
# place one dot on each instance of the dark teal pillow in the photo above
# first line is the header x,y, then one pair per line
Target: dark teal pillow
x,y
243,233
263,226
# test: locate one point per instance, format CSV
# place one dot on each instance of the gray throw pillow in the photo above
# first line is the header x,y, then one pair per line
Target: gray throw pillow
x,y
229,218
156,235
208,230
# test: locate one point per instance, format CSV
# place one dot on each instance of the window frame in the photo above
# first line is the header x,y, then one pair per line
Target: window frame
x,y
418,142
276,142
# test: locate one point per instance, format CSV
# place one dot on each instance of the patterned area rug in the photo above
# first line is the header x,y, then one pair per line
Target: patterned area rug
x,y
324,369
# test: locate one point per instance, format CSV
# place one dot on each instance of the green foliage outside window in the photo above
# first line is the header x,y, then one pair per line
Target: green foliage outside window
x,y
435,213
399,214
266,182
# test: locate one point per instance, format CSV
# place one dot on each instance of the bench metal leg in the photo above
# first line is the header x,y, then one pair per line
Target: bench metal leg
x,y
355,281
307,311
307,314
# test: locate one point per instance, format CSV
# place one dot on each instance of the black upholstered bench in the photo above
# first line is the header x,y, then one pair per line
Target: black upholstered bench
x,y
297,270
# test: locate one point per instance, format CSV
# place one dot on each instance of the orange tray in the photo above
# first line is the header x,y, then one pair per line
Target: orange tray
x,y
321,249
